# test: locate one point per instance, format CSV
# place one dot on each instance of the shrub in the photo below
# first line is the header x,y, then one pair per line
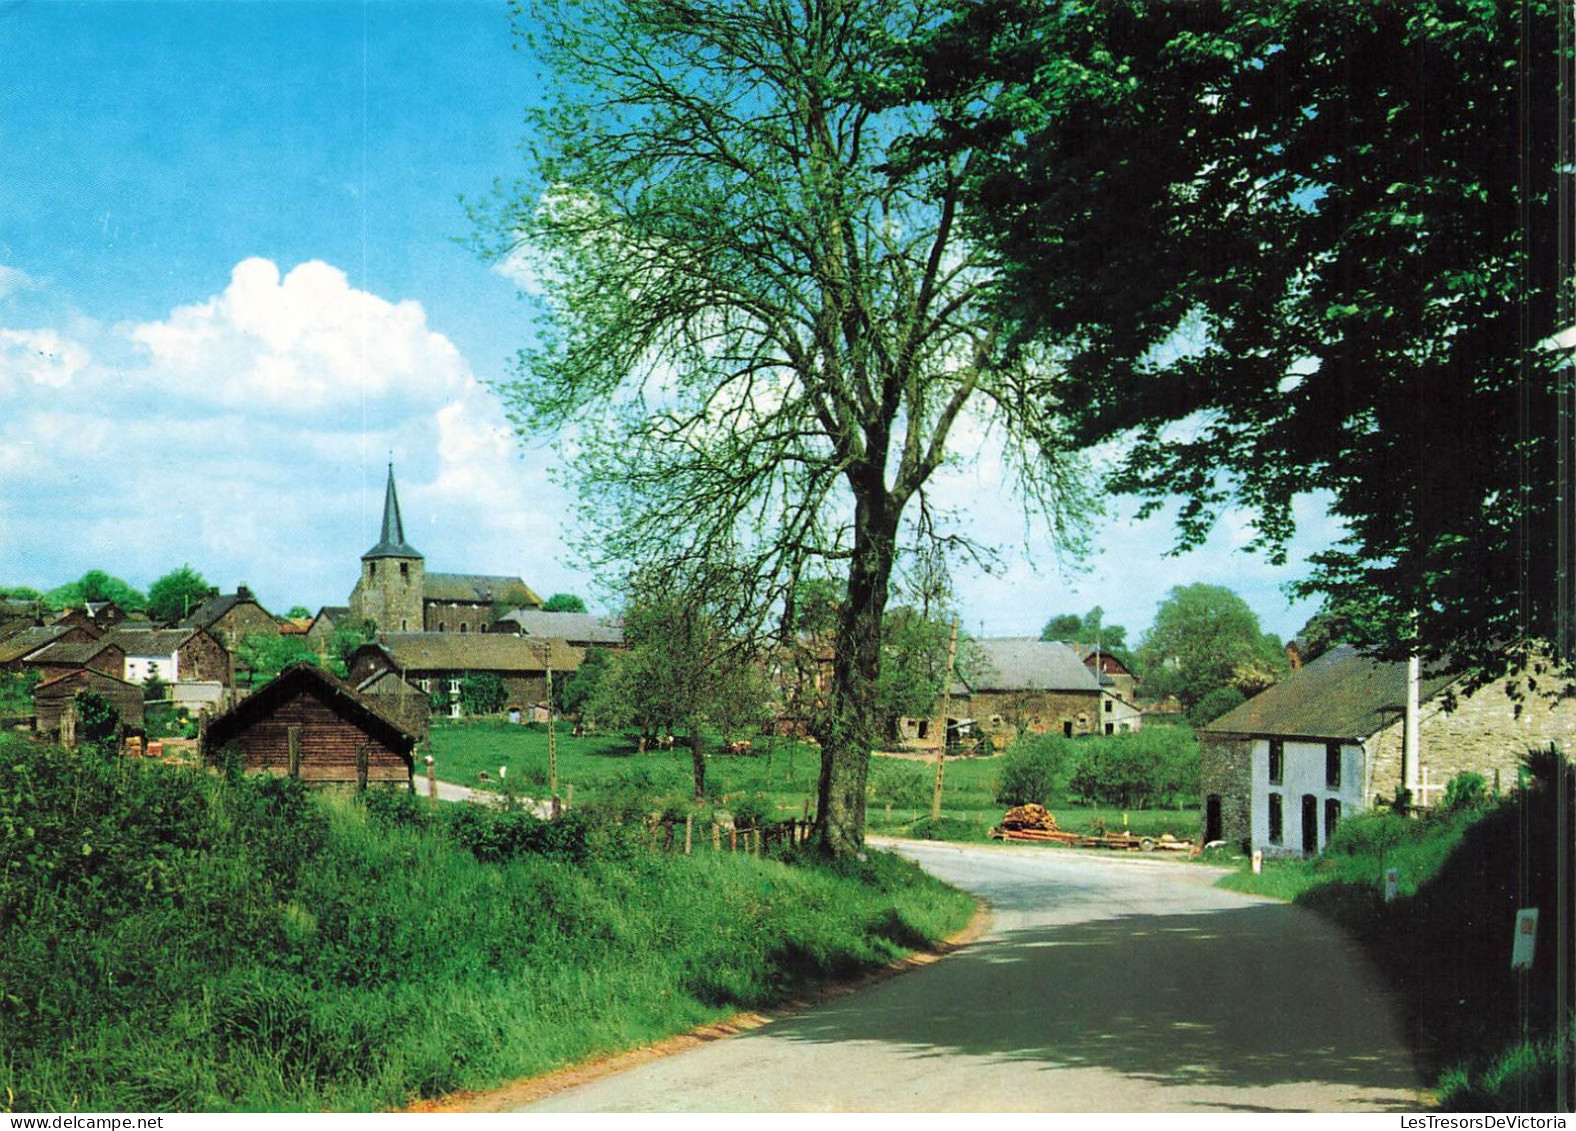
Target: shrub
x,y
1156,766
1215,704
1466,791
482,693
1035,771
495,835
752,811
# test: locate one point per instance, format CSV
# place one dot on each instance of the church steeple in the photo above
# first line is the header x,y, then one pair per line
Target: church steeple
x,y
392,544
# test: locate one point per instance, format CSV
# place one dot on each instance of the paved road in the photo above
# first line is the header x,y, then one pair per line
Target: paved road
x,y
1102,984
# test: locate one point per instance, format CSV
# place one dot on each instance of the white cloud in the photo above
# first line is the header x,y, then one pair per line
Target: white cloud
x,y
43,357
301,343
246,433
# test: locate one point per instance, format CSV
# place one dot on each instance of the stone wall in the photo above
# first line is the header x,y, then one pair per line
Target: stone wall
x,y
1225,769
1483,734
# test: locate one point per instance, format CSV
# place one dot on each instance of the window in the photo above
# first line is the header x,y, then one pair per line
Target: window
x,y
404,571
1067,728
1332,817
1108,706
1277,820
1277,761
1332,765
924,728
426,685
1110,728
464,627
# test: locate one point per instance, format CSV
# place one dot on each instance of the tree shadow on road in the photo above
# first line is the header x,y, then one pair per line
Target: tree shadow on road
x,y
1243,997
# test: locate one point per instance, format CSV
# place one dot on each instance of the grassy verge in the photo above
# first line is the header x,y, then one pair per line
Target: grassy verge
x,y
1444,944
173,941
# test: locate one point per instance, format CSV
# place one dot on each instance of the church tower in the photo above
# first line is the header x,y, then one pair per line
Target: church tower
x,y
389,592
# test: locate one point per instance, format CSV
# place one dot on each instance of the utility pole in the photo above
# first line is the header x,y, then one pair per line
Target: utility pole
x,y
946,710
552,743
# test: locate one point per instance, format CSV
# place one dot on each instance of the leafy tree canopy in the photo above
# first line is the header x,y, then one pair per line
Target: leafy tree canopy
x,y
20,593
1070,628
563,603
95,585
175,594
1329,238
763,338
265,654
1205,637
299,612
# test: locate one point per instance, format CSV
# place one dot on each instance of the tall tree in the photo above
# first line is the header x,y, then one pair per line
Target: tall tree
x,y
761,343
563,603
682,669
177,593
1205,637
1329,237
95,585
1070,628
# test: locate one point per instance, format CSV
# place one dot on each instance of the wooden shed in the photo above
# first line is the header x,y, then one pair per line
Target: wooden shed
x,y
309,725
52,698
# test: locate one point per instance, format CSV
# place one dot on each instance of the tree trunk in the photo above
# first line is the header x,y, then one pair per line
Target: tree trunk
x,y
854,727
699,756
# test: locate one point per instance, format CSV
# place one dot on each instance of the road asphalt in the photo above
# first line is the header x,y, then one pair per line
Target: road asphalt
x,y
1101,984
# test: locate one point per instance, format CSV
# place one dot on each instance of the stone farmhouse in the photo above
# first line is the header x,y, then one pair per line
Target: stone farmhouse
x,y
436,663
1017,686
1279,772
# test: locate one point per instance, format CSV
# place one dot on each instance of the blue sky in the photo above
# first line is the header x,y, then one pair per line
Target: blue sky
x,y
233,281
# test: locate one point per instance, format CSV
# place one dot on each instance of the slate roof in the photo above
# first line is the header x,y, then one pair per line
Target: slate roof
x,y
1024,663
392,543
473,651
268,697
151,641
211,611
70,652
31,640
476,588
1341,695
587,627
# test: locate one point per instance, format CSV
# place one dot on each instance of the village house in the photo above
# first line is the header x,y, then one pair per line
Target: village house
x,y
309,725
437,663
1279,772
321,632
98,617
54,702
231,617
173,655
17,647
1112,673
1019,686
63,656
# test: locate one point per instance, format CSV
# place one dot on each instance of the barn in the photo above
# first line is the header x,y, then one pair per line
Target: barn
x,y
307,724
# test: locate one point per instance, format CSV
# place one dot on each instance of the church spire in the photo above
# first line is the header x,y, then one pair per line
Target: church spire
x,y
392,544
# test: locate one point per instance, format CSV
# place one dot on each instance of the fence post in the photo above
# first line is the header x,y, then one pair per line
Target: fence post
x,y
689,829
733,839
432,785
716,837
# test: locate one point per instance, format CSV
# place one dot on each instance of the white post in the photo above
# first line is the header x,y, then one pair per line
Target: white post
x,y
1412,747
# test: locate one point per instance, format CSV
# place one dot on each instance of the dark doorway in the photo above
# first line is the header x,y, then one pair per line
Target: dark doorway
x,y
1310,824
1212,829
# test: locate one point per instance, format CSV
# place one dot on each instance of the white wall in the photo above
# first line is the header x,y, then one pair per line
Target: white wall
x,y
139,668
1302,773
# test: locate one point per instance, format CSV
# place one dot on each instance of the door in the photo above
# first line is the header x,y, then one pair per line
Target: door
x,y
1310,824
1212,829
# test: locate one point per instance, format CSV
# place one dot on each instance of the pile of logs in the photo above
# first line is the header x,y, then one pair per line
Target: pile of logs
x,y
1035,823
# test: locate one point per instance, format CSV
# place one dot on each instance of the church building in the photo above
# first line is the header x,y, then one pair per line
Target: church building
x,y
396,592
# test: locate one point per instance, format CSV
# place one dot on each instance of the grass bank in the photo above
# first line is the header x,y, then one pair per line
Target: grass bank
x,y
1491,1036
172,941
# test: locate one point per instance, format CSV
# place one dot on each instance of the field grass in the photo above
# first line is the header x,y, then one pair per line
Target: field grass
x,y
173,941
782,773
